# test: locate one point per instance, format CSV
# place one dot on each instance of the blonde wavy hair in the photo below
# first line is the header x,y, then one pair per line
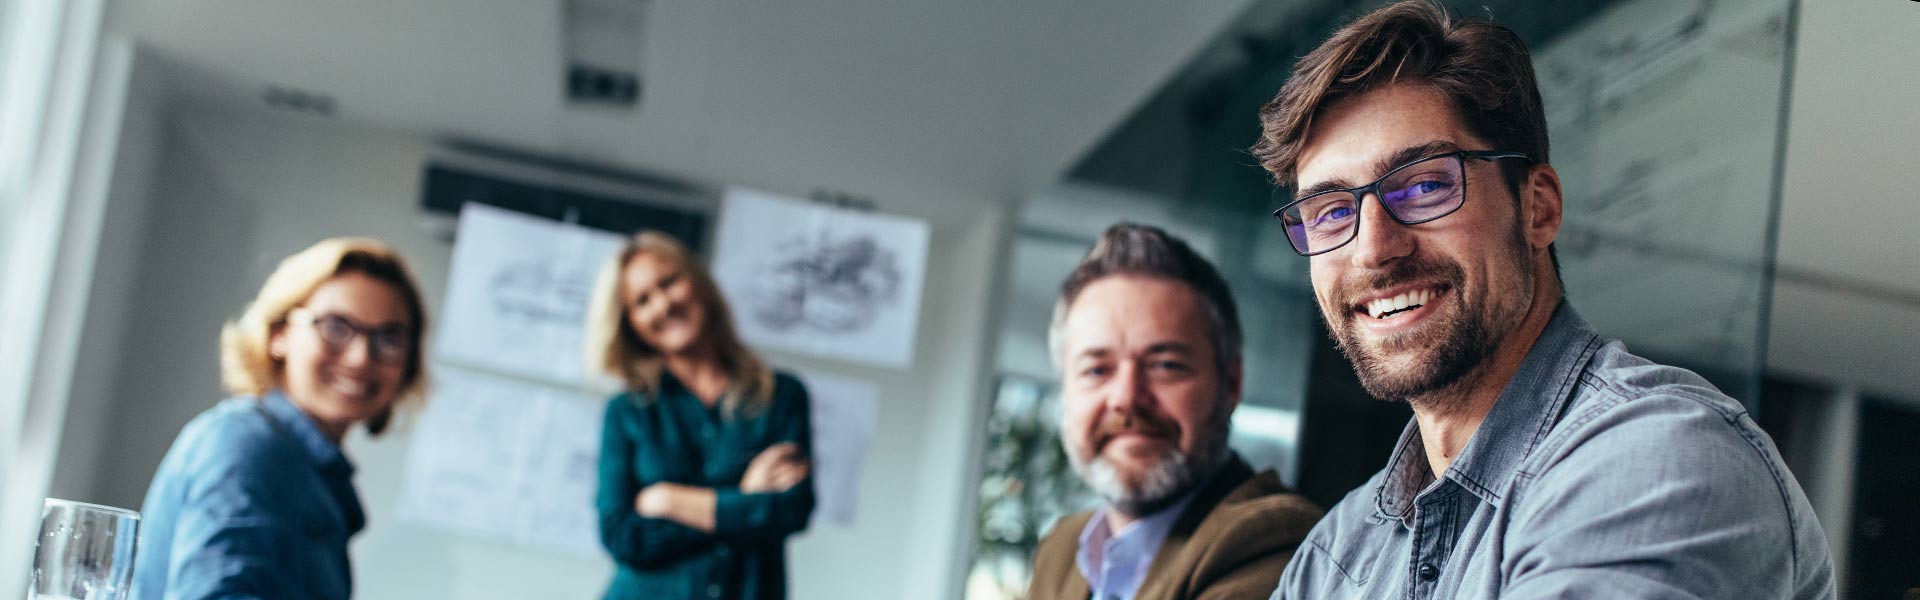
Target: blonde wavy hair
x,y
247,367
615,349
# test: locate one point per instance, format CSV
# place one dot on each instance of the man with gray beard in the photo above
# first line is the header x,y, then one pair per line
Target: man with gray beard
x,y
1147,341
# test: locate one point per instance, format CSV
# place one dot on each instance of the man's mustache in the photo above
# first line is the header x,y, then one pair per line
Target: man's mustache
x,y
1114,424
1408,270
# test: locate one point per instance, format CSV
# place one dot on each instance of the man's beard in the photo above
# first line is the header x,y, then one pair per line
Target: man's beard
x,y
1171,475
1447,348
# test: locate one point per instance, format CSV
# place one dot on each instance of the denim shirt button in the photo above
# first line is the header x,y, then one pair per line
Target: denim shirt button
x,y
1428,572
713,590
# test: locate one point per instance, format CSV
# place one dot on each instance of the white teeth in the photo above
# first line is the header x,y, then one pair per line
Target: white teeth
x,y
349,388
1379,307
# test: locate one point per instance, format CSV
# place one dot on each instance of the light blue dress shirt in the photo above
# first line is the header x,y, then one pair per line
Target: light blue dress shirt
x,y
1115,564
1597,474
252,501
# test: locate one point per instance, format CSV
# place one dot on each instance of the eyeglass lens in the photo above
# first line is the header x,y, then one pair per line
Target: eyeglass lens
x,y
388,344
1415,193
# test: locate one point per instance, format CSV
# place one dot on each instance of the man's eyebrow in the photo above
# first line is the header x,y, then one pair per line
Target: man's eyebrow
x,y
1394,160
1094,352
1324,186
1413,153
1167,347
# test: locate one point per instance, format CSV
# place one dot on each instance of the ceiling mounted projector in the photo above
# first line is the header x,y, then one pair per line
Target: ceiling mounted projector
x,y
603,39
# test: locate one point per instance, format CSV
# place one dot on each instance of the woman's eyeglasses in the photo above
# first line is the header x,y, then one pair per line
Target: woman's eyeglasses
x,y
386,343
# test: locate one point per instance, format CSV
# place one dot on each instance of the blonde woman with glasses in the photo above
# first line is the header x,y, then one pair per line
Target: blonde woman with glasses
x,y
703,459
255,499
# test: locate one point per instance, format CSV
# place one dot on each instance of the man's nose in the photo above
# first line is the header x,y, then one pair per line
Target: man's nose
x,y
1130,391
1381,239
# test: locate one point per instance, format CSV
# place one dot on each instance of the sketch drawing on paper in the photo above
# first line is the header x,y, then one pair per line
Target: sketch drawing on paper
x,y
517,294
534,292
824,280
827,284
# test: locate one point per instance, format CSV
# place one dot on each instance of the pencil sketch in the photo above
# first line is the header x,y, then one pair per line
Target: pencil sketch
x,y
824,280
517,294
535,292
828,284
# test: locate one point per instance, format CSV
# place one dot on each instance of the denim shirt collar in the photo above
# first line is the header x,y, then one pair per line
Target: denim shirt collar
x,y
1520,419
326,455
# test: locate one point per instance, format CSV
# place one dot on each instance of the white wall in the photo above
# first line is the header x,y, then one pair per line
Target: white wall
x,y
111,303
1853,135
239,189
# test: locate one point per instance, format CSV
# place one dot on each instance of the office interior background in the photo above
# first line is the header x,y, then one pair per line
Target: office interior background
x,y
1740,177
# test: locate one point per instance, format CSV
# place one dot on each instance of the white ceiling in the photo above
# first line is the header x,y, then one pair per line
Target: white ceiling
x,y
986,99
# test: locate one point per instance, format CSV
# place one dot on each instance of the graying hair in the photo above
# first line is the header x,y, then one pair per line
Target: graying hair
x,y
1143,250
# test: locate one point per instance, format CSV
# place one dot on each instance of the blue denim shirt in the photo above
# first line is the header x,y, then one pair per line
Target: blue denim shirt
x,y
252,501
1597,474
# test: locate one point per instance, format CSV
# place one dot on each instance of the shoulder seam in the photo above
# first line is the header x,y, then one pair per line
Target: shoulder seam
x,y
1617,397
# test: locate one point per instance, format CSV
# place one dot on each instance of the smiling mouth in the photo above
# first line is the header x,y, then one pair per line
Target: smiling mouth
x,y
1392,306
352,388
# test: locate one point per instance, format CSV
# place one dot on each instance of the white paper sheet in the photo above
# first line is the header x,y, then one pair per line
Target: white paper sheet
x,y
517,297
502,459
826,281
844,414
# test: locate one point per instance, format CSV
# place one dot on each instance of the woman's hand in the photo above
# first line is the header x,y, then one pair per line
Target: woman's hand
x,y
656,500
776,469
684,504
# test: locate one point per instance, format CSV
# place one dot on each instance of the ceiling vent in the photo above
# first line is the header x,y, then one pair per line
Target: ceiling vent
x,y
603,39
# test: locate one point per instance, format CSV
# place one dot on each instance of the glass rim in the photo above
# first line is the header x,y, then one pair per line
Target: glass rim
x,y
50,501
1358,193
372,334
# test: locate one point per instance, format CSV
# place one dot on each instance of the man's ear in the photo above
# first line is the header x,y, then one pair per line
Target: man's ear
x,y
1233,382
1541,196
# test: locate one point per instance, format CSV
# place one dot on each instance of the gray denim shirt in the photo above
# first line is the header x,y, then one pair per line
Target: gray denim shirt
x,y
1597,474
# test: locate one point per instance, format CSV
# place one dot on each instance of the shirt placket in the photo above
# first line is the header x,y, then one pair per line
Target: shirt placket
x,y
1115,569
707,427
1433,539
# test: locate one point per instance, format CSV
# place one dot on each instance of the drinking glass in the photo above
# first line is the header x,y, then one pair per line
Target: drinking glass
x,y
84,552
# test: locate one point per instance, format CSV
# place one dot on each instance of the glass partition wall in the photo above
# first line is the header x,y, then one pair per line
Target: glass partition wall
x,y
1665,120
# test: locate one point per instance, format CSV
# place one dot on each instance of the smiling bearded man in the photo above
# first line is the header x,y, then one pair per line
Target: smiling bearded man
x,y
1147,341
1543,461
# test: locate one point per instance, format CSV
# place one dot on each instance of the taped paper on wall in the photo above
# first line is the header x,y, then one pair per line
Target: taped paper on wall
x,y
844,413
497,458
826,281
517,297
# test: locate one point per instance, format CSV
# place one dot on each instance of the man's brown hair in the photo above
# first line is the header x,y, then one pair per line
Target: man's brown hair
x,y
1482,68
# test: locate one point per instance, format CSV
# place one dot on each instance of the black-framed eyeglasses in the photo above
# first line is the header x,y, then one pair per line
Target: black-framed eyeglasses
x,y
389,344
1413,193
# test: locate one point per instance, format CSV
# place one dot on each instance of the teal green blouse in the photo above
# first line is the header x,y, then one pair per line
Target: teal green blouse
x,y
670,436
